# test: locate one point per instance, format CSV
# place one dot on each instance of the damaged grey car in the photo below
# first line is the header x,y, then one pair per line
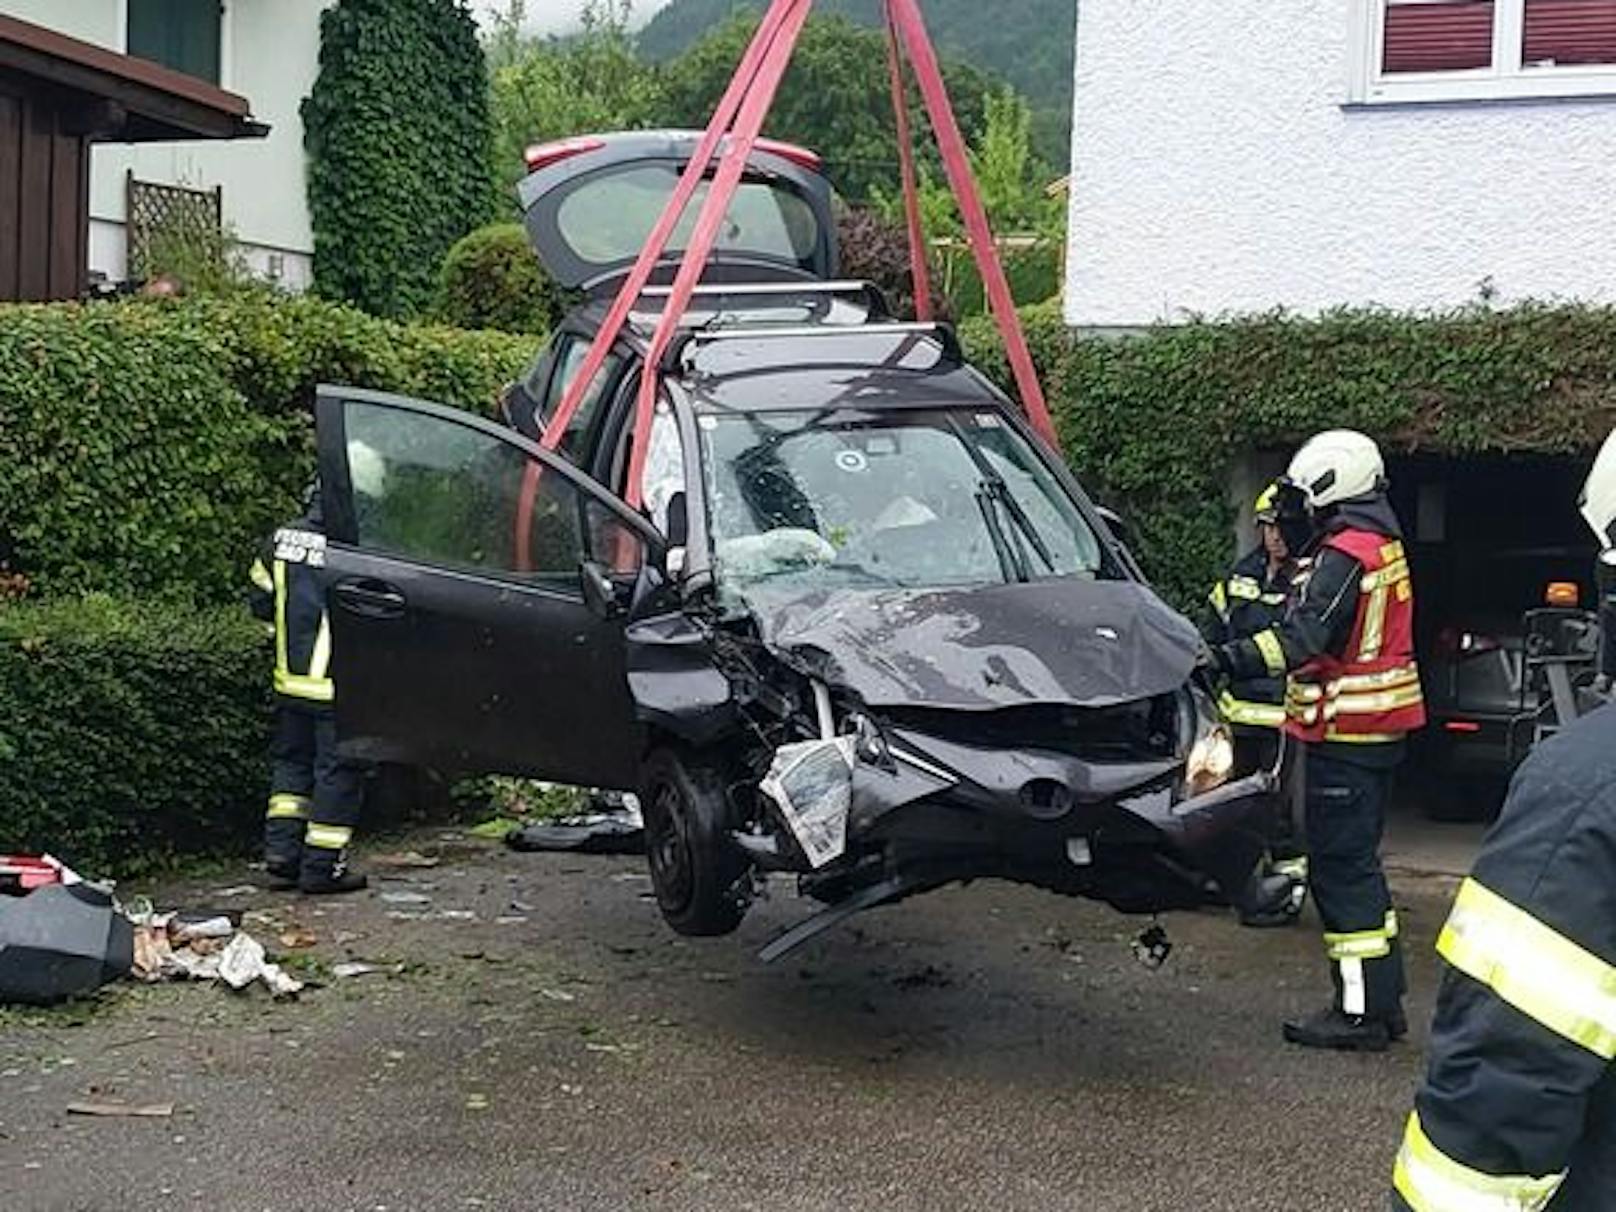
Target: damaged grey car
x,y
867,629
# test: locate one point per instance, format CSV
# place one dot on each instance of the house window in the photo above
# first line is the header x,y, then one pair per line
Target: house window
x,y
1477,50
182,34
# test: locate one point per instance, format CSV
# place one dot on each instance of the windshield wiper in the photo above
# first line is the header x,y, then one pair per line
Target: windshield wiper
x,y
1012,562
994,495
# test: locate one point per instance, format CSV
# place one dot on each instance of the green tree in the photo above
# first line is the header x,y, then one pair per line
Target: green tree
x,y
397,134
1030,43
835,97
550,88
1013,180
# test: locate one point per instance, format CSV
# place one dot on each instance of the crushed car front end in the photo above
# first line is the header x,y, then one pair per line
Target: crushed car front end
x,y
908,654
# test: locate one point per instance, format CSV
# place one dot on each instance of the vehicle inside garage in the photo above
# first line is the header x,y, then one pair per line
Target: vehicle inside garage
x,y
1487,537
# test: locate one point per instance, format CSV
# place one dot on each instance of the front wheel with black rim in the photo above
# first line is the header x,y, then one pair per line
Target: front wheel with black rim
x,y
697,871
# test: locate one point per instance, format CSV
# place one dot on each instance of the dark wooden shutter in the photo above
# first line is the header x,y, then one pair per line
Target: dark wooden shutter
x,y
1569,32
1453,35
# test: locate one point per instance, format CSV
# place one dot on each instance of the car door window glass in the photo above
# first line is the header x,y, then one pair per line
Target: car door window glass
x,y
570,360
440,492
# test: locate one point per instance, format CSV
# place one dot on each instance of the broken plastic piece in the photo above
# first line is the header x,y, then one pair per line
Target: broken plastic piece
x,y
811,783
123,1110
351,968
1152,947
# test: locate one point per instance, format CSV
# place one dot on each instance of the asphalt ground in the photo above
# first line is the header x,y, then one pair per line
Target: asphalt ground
x,y
983,1047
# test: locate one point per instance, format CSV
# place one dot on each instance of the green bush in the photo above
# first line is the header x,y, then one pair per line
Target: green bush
x,y
149,445
1033,271
1153,423
491,279
130,731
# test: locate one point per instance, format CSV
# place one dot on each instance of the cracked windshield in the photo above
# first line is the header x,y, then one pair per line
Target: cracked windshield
x,y
928,499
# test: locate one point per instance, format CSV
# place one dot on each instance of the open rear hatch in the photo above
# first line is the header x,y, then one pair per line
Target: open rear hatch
x,y
590,203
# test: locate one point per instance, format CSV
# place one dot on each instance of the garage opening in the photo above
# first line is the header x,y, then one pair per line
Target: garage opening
x,y
1486,537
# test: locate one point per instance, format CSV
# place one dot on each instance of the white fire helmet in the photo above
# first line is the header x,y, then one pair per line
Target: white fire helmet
x,y
367,470
1336,465
1598,503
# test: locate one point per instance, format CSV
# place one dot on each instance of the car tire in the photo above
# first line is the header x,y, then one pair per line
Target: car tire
x,y
697,872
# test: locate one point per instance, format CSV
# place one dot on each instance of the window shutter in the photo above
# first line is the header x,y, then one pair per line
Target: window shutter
x,y
1439,36
1564,32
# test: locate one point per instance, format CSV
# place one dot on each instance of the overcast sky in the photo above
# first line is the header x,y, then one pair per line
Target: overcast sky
x,y
558,16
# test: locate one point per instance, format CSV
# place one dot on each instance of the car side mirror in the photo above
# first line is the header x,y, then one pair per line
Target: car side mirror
x,y
600,591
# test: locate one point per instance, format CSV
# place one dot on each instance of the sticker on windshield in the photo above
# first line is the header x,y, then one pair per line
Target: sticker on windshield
x,y
852,461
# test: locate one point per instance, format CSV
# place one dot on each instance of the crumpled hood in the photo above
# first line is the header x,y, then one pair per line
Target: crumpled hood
x,y
1068,642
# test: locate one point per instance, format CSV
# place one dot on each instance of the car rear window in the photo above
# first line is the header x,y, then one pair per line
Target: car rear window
x,y
607,219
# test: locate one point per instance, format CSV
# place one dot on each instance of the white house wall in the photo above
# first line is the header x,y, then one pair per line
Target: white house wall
x,y
269,54
1215,169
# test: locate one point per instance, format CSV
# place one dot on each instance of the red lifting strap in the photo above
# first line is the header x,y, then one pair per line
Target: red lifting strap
x,y
740,115
919,271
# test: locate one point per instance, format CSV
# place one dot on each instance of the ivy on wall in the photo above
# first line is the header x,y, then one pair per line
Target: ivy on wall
x,y
1153,424
397,135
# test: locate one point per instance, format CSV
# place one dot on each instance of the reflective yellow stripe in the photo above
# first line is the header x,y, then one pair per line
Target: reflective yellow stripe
x,y
1385,577
285,806
1272,654
316,690
1361,944
327,837
1393,926
1386,700
314,686
261,578
1361,738
1245,587
1539,971
320,659
1273,599
1219,600
1374,628
280,621
1381,679
1296,868
1244,711
1431,1181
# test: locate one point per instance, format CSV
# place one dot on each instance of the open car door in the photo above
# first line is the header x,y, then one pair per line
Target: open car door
x,y
458,556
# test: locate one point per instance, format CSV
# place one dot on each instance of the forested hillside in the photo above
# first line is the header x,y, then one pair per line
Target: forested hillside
x,y
1028,42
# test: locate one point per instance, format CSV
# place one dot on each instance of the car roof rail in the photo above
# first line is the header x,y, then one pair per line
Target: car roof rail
x,y
944,334
864,291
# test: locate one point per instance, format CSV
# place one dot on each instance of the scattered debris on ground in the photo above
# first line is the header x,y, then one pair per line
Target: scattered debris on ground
x,y
612,825
209,947
118,1110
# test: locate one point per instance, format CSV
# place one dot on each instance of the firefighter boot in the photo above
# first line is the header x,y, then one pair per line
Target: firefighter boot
x,y
283,851
1341,1032
325,871
283,839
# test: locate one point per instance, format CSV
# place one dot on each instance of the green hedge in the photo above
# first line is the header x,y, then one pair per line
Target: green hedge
x,y
130,731
1154,422
149,445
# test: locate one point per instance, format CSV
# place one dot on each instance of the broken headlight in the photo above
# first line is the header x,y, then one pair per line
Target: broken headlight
x,y
1211,757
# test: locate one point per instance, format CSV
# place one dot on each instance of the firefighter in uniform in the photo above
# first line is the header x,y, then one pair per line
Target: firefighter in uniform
x,y
314,794
1518,1107
1353,694
1251,599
